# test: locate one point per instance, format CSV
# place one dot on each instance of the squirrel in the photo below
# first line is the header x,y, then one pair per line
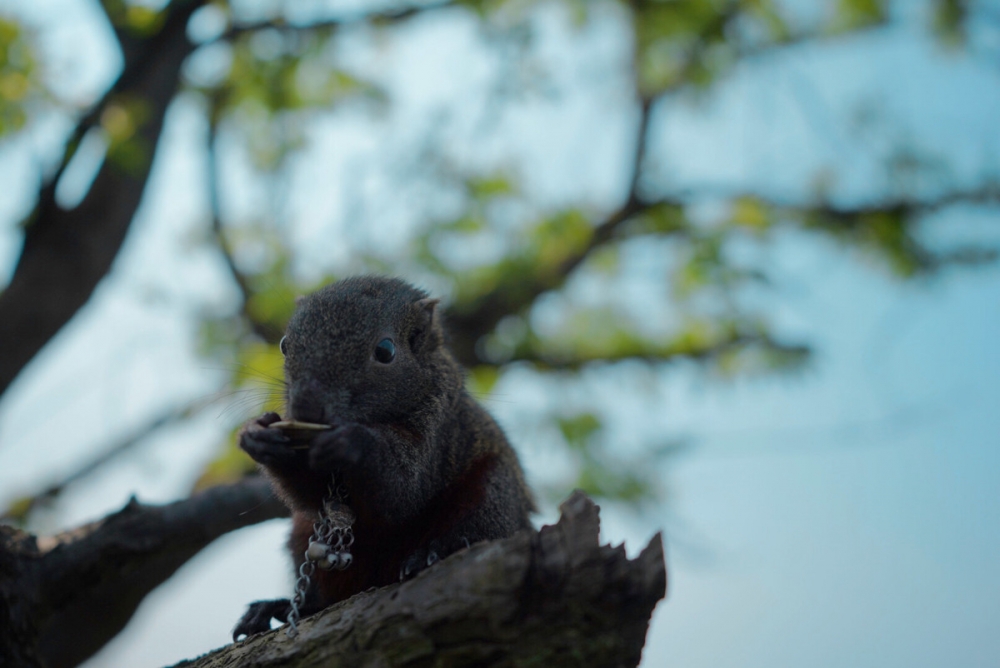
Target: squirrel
x,y
426,469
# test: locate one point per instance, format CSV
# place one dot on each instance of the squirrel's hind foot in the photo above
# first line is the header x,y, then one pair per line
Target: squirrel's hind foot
x,y
257,618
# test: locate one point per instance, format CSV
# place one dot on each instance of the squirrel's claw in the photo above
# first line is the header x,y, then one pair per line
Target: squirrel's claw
x,y
267,419
421,559
265,445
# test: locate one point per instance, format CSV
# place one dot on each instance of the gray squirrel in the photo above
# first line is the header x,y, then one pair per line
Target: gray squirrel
x,y
425,468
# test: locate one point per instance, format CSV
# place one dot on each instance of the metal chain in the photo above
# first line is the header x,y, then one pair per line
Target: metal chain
x,y
329,548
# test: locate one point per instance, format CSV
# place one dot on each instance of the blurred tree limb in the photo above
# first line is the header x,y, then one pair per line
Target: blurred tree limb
x,y
267,331
19,510
381,18
63,597
67,252
888,230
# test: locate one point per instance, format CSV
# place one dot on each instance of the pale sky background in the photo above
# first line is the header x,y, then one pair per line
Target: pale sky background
x,y
843,516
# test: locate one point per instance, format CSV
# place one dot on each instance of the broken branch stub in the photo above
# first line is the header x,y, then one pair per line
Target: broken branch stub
x,y
555,597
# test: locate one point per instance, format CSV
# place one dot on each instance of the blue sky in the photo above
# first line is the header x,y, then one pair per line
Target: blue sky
x,y
842,516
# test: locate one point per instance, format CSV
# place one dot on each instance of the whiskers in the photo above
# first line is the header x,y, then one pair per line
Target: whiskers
x,y
489,398
250,393
242,404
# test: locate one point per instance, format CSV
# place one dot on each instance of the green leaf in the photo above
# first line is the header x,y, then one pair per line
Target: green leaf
x,y
622,484
121,120
19,84
490,187
465,224
768,15
277,81
751,213
949,21
663,218
605,260
274,303
579,429
144,21
482,379
855,14
19,509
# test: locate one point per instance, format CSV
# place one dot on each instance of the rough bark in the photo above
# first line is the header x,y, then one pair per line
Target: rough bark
x,y
550,598
63,597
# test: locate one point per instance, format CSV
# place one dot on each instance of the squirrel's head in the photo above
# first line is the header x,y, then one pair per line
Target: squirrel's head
x,y
365,349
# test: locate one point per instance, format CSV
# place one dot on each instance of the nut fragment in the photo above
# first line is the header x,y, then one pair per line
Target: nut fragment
x,y
295,424
300,432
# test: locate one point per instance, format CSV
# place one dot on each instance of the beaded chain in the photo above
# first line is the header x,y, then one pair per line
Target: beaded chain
x,y
329,549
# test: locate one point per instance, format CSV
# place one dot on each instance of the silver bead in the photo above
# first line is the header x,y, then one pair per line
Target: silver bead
x,y
317,551
344,560
329,561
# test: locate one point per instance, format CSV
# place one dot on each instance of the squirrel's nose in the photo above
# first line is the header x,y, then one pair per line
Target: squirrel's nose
x,y
304,404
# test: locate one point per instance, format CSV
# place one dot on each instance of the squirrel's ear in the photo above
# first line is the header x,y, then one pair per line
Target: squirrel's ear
x,y
426,335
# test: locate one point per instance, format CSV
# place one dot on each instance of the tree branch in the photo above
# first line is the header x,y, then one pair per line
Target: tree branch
x,y
887,226
985,195
551,598
469,322
21,508
574,360
266,331
67,252
891,226
75,591
385,17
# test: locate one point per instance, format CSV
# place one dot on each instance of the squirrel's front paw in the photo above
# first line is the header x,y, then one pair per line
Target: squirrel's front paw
x,y
264,444
338,448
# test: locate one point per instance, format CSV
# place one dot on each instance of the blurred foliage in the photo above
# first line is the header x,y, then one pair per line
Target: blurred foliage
x,y
513,303
276,80
854,14
949,21
134,18
257,386
18,510
20,81
279,74
121,119
603,472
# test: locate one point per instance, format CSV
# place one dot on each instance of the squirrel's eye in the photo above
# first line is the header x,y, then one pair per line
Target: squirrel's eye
x,y
385,351
283,345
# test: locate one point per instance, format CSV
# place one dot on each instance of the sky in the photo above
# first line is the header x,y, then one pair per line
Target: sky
x,y
845,515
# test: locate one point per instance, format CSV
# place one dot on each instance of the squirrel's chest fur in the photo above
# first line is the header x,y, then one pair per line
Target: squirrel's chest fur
x,y
380,546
